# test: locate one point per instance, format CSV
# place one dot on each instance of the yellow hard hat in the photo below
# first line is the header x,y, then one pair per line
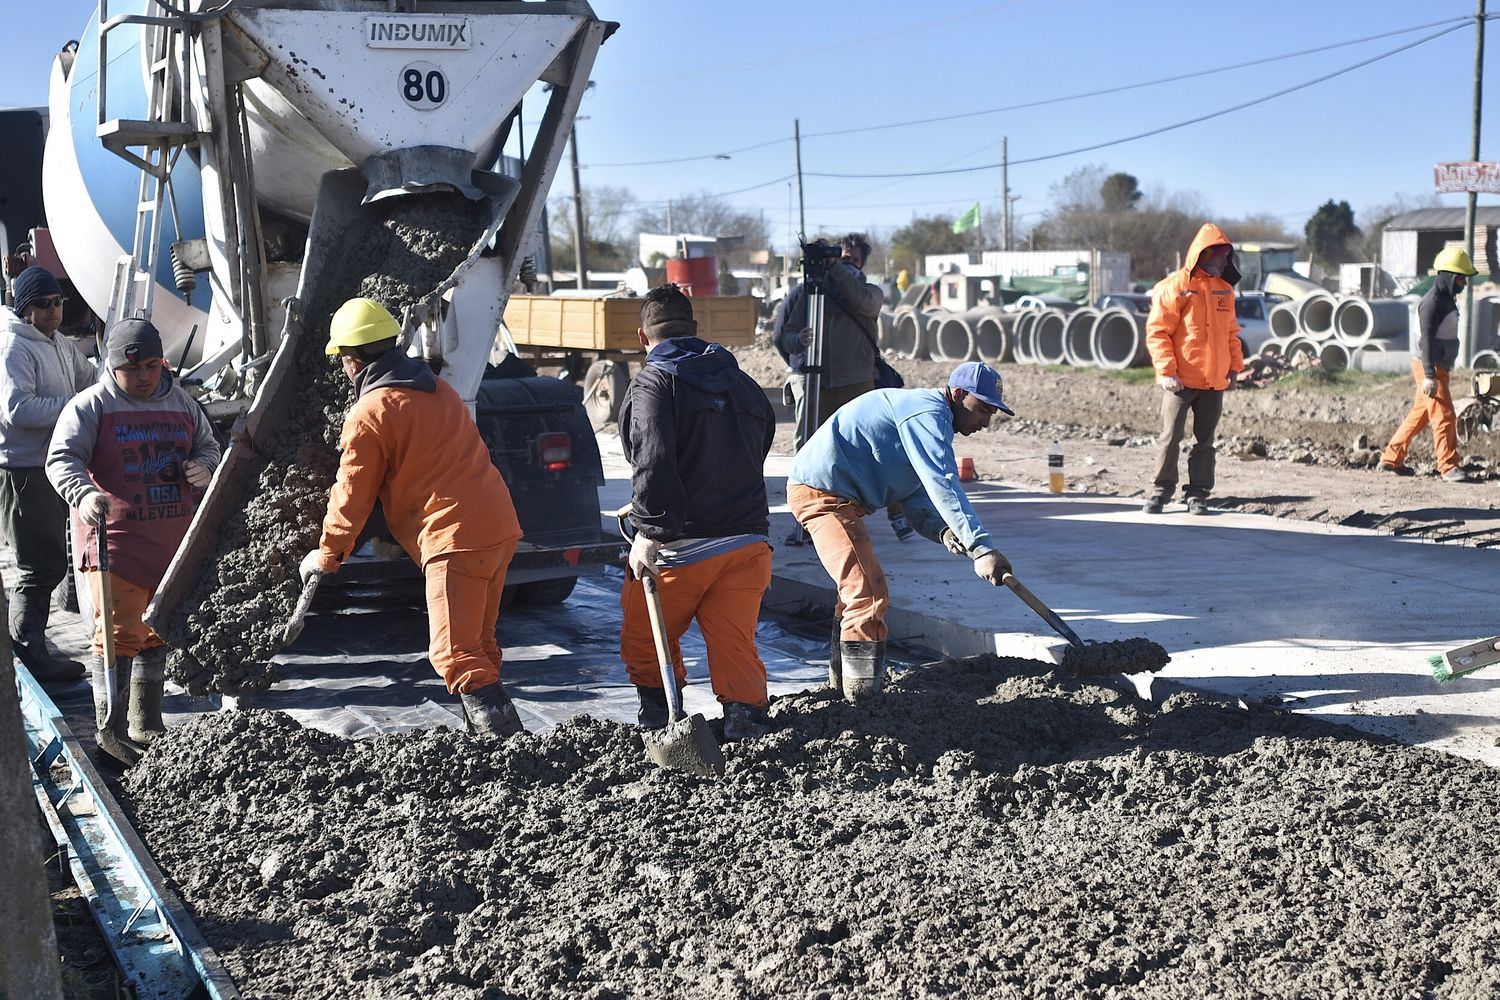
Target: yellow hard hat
x,y
359,322
1455,260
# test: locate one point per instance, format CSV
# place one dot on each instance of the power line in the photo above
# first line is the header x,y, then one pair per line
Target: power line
x,y
1165,128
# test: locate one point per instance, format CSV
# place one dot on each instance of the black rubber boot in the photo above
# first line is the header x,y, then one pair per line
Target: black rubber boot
x,y
835,660
652,713
110,712
147,678
744,722
863,669
489,712
28,638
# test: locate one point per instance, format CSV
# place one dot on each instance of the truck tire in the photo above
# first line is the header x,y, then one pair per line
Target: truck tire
x,y
546,591
604,387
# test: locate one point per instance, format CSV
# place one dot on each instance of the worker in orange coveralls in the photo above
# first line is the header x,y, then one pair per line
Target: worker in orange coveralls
x,y
409,442
696,431
1193,338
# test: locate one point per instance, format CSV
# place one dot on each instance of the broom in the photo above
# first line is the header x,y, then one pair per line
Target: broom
x,y
1455,663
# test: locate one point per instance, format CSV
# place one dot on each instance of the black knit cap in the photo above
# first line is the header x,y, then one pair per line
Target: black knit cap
x,y
131,340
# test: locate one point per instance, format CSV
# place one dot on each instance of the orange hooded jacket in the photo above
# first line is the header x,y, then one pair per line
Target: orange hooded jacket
x,y
416,449
1192,332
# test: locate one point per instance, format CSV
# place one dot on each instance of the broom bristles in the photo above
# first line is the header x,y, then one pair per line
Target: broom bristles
x,y
1441,672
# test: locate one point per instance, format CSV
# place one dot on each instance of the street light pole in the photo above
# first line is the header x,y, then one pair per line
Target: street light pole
x,y
1471,204
578,235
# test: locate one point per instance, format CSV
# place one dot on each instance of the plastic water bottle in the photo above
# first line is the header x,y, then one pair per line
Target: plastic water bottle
x,y
1055,480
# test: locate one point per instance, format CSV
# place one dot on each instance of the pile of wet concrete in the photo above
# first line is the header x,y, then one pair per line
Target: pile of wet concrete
x,y
395,251
989,828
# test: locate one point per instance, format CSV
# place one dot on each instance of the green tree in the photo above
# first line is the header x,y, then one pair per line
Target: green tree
x,y
1119,193
1332,236
933,234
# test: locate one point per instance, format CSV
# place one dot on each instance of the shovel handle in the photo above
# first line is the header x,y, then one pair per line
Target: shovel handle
x,y
299,614
663,651
1046,613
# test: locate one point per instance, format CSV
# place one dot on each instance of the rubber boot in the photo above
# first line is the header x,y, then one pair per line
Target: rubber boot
x,y
147,679
28,631
110,719
744,722
652,713
863,669
489,712
835,660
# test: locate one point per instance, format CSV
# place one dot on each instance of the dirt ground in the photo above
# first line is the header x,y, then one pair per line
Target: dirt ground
x,y
988,829
1299,448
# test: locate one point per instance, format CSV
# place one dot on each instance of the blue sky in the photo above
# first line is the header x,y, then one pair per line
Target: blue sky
x,y
689,78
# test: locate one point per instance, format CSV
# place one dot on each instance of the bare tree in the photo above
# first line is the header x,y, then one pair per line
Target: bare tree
x,y
607,215
1376,216
708,215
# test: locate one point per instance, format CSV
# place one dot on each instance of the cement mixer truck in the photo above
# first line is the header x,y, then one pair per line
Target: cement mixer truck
x,y
234,171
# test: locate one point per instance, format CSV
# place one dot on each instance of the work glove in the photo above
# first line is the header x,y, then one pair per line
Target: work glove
x,y
952,544
992,566
94,508
1169,383
198,474
643,557
1429,388
311,563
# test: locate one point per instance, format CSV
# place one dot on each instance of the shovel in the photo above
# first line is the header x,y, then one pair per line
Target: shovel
x,y
1130,656
107,617
686,743
1455,663
299,614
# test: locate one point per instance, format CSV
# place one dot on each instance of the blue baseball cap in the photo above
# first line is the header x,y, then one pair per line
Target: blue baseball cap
x,y
979,379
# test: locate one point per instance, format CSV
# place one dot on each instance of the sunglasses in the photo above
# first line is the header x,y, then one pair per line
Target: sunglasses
x,y
51,302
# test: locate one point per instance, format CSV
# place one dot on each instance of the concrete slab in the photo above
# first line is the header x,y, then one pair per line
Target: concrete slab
x,y
1336,622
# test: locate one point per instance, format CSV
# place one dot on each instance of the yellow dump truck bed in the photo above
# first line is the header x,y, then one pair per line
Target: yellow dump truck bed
x,y
610,324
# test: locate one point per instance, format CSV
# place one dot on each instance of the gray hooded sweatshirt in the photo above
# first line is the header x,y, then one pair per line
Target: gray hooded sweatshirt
x,y
38,375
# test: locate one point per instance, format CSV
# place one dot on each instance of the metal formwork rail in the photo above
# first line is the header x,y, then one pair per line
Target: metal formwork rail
x,y
159,949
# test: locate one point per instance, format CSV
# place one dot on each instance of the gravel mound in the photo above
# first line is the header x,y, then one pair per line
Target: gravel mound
x,y
987,829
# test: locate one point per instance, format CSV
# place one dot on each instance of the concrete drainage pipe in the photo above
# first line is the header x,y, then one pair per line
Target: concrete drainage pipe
x,y
1315,316
1299,345
1047,338
1486,361
908,335
1023,344
1389,362
1078,337
1333,356
953,337
887,327
1119,340
1359,321
1283,321
992,336
1275,346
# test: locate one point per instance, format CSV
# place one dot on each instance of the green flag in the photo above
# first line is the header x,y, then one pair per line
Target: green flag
x,y
969,220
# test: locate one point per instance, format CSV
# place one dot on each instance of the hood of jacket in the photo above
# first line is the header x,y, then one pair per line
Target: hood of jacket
x,y
162,388
1445,282
395,370
1210,235
708,366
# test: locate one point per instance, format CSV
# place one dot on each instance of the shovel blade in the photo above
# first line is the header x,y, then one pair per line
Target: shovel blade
x,y
686,745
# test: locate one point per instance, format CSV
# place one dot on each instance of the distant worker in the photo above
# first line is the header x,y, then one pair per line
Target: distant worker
x,y
1437,352
39,373
696,431
890,446
132,454
409,442
1193,338
851,324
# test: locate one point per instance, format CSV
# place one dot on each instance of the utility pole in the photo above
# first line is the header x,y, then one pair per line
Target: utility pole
x,y
1468,348
1005,192
670,230
578,234
801,207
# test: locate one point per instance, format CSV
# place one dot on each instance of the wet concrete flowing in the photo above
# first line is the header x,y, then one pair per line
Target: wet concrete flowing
x,y
395,251
989,828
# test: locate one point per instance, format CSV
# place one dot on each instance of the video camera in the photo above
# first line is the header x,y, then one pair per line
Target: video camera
x,y
817,256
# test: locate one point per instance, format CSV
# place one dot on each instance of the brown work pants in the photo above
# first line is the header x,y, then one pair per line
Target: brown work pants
x,y
1436,410
463,606
837,528
1205,405
127,606
724,594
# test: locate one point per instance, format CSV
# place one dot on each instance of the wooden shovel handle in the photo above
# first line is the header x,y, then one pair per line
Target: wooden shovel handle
x,y
1046,613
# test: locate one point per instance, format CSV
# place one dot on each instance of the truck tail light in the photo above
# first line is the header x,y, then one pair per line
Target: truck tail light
x,y
554,451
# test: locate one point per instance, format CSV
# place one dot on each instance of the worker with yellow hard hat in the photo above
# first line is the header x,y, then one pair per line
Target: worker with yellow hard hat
x,y
1437,351
409,442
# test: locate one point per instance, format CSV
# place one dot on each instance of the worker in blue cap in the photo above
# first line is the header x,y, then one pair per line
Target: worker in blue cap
x,y
885,447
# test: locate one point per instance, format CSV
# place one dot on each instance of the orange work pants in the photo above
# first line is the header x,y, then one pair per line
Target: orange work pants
x,y
724,594
463,606
1436,410
837,527
128,603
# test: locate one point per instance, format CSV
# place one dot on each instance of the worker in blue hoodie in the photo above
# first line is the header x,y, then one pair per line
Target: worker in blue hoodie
x,y
696,431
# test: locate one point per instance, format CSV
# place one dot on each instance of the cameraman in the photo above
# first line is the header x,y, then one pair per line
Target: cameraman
x,y
851,320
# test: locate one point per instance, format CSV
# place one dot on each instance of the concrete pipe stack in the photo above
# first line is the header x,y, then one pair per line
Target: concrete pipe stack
x,y
1119,339
955,336
1048,337
909,337
992,336
1078,337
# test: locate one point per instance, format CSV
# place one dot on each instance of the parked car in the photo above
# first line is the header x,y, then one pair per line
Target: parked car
x,y
1253,310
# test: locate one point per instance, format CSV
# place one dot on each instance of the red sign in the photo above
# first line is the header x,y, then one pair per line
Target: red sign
x,y
1468,175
